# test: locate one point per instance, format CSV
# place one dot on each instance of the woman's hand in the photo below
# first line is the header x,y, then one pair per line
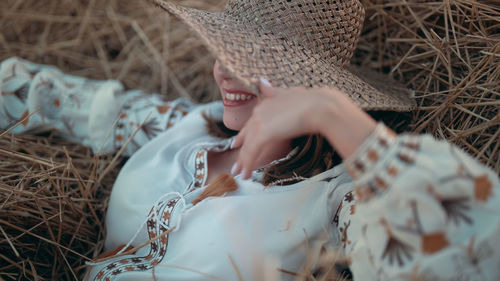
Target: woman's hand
x,y
285,114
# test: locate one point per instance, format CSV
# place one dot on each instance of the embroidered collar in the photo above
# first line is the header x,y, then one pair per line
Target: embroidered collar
x,y
222,145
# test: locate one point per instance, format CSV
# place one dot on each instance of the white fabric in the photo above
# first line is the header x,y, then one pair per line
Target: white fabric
x,y
237,224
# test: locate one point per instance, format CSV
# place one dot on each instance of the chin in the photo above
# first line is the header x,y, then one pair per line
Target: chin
x,y
233,121
235,125
236,116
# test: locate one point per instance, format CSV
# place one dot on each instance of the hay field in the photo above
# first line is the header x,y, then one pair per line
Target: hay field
x,y
448,52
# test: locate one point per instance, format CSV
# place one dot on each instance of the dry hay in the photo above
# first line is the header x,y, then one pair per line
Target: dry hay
x,y
131,41
448,52
53,195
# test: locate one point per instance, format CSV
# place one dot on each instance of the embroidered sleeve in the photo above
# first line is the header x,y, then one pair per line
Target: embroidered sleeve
x,y
99,114
424,209
140,118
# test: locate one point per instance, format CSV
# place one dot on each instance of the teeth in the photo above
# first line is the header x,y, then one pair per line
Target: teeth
x,y
233,97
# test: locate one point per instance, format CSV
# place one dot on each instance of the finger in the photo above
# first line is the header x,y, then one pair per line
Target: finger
x,y
249,156
268,90
239,139
249,164
246,173
247,167
236,169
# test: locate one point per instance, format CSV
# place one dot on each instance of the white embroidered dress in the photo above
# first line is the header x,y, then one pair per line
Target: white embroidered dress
x,y
401,207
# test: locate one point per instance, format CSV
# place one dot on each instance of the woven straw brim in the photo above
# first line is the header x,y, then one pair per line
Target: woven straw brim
x,y
249,51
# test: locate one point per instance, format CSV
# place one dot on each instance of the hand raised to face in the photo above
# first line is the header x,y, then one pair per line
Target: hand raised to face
x,y
284,114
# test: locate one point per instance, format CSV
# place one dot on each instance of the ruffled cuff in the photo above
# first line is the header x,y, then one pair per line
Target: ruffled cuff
x,y
376,162
372,152
104,111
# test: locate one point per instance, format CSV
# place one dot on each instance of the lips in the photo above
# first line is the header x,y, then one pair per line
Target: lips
x,y
237,97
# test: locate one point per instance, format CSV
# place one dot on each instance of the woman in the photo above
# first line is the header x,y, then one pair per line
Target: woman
x,y
397,207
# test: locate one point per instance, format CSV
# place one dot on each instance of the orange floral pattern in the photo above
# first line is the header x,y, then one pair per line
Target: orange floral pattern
x,y
419,207
37,95
147,114
422,207
16,79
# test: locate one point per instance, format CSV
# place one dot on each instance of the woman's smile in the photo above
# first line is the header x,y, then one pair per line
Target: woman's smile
x,y
233,97
238,101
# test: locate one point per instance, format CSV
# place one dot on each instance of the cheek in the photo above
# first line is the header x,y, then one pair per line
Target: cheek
x,y
216,77
217,73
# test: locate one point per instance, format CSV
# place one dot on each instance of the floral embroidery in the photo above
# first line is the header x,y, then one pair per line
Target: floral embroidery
x,y
336,216
344,239
429,235
369,157
200,169
392,171
158,247
348,197
151,128
352,209
483,188
359,166
372,155
405,158
397,250
177,114
456,208
19,79
200,164
162,109
365,192
434,242
133,113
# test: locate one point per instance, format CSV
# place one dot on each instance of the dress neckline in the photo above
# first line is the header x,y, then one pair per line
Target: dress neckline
x,y
213,144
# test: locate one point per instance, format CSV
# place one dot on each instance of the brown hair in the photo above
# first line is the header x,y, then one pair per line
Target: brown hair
x,y
314,155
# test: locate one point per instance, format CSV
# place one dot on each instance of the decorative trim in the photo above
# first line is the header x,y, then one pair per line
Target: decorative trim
x,y
158,246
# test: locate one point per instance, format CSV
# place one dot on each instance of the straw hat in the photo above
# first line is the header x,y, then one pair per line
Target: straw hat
x,y
306,43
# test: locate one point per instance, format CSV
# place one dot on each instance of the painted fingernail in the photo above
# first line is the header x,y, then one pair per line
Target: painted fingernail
x,y
235,168
265,82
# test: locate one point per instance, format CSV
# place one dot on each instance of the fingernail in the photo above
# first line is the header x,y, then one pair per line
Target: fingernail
x,y
244,174
232,144
265,82
235,169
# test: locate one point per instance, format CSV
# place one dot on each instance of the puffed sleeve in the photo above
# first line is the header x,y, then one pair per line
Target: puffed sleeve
x,y
422,208
98,114
131,119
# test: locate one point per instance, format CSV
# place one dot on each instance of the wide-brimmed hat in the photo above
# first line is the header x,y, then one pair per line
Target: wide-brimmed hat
x,y
293,43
